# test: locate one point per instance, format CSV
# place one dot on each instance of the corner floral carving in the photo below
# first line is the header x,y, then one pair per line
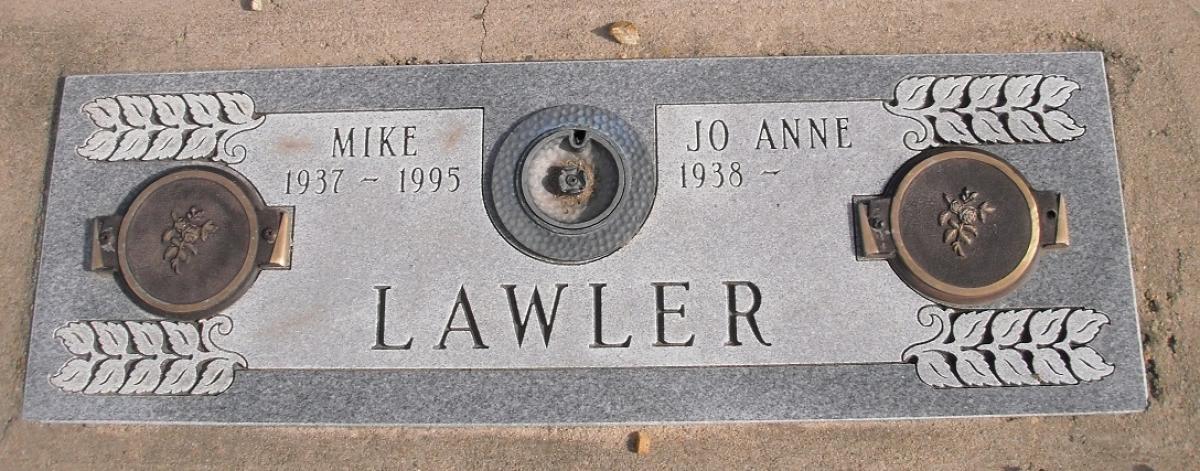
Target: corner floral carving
x,y
978,109
188,126
961,217
1008,348
146,358
182,236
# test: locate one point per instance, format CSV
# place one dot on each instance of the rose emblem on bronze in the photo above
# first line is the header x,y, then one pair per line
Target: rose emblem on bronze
x,y
184,234
962,218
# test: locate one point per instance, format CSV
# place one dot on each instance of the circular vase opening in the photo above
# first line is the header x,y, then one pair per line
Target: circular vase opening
x,y
571,180
570,184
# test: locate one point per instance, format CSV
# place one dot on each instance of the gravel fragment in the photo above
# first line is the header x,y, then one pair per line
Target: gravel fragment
x,y
624,32
641,443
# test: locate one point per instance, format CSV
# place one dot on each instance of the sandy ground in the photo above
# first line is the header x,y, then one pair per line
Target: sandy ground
x,y
1153,56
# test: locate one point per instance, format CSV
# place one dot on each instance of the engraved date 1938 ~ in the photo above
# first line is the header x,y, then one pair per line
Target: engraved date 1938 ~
x,y
790,134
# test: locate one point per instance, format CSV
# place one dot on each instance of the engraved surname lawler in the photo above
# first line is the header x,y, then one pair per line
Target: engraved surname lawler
x,y
742,302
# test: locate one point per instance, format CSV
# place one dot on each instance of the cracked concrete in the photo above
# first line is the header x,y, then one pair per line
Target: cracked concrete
x,y
482,17
1151,49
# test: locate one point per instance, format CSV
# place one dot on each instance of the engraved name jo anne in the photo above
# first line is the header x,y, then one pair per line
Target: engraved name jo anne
x,y
782,134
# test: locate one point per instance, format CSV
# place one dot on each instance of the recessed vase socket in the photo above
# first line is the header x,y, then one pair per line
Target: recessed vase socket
x,y
570,184
191,242
960,226
570,180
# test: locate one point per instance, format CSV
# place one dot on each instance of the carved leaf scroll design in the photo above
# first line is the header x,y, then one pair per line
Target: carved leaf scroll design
x,y
187,126
1022,347
986,109
146,357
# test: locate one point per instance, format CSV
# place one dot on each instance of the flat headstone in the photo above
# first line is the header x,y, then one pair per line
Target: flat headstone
x,y
587,242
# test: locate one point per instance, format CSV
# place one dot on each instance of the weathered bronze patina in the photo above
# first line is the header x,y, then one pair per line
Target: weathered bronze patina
x,y
191,242
960,226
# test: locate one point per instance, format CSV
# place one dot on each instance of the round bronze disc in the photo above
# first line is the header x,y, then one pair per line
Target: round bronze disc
x,y
966,227
187,243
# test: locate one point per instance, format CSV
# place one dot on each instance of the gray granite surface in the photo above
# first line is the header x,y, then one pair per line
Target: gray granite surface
x,y
842,324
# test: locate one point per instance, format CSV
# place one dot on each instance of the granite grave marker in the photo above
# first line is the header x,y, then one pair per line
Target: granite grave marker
x,y
756,239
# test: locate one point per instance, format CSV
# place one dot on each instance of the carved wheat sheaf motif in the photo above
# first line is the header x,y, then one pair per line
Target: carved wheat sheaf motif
x,y
188,126
1008,348
993,109
146,357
